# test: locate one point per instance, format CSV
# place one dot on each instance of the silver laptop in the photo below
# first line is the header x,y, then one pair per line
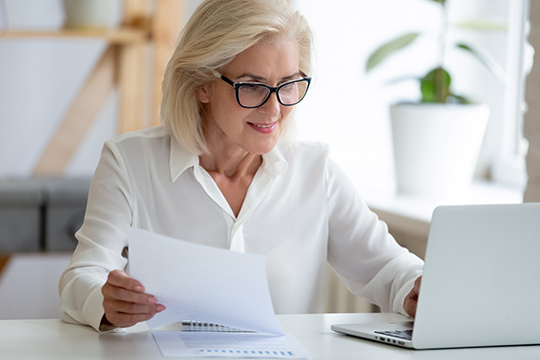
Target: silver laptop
x,y
481,282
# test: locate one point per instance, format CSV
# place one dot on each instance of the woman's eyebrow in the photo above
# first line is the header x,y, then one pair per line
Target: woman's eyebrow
x,y
263,79
291,77
252,77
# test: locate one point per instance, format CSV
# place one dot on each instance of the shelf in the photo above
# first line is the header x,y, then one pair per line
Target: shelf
x,y
119,36
412,214
123,64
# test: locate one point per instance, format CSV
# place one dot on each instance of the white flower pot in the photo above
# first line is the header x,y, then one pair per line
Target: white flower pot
x,y
436,147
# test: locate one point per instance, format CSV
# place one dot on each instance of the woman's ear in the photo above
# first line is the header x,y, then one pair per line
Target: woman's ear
x,y
203,94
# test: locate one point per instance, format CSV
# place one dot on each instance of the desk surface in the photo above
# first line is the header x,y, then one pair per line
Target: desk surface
x,y
53,339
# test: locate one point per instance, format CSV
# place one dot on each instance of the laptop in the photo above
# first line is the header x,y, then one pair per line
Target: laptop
x,y
481,282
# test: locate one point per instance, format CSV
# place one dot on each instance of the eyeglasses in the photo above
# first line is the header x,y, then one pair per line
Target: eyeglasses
x,y
251,95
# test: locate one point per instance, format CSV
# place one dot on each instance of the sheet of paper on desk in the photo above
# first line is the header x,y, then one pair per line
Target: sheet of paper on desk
x,y
202,283
216,344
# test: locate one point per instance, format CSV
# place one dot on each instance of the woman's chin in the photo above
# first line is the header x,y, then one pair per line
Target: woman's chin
x,y
261,148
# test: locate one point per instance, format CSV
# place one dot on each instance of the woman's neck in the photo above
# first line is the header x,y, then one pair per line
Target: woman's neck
x,y
231,164
233,172
225,158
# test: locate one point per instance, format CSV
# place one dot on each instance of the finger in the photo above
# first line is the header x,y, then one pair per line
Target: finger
x,y
114,306
414,294
416,288
411,309
121,279
111,292
411,300
126,320
417,284
125,302
410,303
122,314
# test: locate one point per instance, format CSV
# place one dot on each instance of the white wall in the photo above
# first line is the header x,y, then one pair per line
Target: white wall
x,y
39,81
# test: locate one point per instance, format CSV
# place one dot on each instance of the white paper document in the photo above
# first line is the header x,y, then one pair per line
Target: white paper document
x,y
216,344
202,283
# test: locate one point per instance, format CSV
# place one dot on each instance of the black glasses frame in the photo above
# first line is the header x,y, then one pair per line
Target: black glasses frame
x,y
236,86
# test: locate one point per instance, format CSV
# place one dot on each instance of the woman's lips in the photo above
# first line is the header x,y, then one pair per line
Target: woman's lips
x,y
263,128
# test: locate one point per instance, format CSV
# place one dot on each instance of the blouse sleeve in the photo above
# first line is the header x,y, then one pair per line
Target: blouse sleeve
x,y
102,240
362,252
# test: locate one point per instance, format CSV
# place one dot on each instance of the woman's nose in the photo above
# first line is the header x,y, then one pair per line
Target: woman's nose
x,y
271,107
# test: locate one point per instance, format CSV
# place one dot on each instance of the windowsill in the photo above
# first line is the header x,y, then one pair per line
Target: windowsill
x,y
411,214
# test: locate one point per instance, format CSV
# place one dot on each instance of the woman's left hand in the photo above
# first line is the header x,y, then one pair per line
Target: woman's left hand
x,y
409,305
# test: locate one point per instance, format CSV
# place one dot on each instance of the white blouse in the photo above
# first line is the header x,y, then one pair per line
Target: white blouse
x,y
300,211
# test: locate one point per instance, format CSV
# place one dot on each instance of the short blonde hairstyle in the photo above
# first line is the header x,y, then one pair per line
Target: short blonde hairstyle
x,y
217,32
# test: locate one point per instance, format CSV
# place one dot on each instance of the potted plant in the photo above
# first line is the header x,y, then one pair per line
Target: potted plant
x,y
437,140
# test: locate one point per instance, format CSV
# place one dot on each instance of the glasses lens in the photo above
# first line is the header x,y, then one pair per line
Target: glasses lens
x,y
252,95
291,93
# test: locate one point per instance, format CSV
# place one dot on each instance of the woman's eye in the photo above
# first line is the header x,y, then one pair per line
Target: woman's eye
x,y
248,88
288,87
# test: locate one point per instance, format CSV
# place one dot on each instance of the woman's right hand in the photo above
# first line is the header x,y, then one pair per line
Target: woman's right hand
x,y
125,301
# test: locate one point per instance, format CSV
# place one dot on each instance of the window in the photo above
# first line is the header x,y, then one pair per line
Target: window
x,y
349,109
509,162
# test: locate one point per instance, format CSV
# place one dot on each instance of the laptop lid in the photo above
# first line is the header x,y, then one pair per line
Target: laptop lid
x,y
481,279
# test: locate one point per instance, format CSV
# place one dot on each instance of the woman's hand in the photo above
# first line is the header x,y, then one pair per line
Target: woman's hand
x,y
125,301
409,305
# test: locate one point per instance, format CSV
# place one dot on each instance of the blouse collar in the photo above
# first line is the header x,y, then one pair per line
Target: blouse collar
x,y
273,162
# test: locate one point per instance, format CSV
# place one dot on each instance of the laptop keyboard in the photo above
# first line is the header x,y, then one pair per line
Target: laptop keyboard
x,y
401,334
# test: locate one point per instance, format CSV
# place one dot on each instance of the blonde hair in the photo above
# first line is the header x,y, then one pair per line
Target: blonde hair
x,y
217,32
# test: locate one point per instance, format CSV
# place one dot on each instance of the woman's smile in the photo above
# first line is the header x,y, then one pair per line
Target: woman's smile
x,y
264,128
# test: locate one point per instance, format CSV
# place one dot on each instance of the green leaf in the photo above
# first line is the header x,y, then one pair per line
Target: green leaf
x,y
486,59
482,25
440,1
389,48
435,86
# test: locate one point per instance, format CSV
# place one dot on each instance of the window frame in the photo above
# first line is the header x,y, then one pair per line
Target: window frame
x,y
508,165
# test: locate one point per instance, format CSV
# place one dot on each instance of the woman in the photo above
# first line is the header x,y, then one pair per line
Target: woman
x,y
223,172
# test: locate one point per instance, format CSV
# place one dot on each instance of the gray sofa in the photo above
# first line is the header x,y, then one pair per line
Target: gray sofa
x,y
41,213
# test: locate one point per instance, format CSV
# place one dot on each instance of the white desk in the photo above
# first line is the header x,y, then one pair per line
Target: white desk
x,y
53,339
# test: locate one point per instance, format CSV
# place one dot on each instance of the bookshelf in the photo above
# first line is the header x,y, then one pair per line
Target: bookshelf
x,y
114,37
147,26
